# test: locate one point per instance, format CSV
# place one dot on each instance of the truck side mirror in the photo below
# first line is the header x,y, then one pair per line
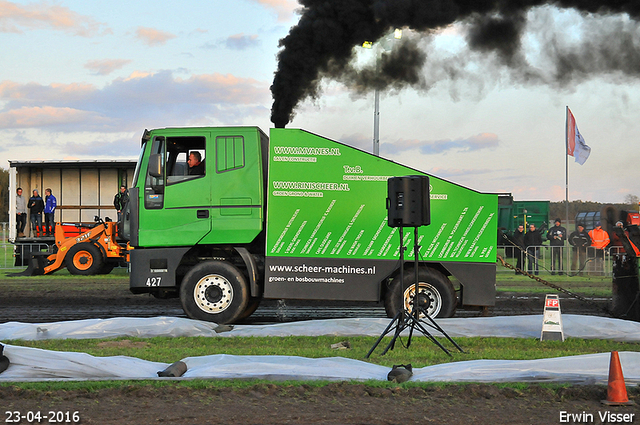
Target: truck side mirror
x,y
155,166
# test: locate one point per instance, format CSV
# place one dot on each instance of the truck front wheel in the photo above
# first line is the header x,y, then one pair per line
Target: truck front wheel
x,y
214,291
436,295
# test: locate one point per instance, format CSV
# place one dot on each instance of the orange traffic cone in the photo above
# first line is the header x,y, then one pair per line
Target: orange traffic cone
x,y
616,390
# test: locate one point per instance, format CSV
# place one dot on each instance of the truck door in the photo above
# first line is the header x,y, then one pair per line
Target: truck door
x,y
176,209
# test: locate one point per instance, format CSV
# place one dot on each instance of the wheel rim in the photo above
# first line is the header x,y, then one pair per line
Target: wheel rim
x,y
83,260
429,299
213,293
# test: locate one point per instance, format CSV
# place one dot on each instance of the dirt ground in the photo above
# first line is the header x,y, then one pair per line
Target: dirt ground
x,y
338,403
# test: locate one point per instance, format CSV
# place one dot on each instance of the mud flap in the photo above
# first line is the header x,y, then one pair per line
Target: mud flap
x,y
37,262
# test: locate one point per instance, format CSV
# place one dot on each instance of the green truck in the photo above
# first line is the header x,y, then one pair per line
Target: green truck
x,y
295,216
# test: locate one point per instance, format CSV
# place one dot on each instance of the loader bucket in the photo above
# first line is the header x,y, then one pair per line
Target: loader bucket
x,y
37,263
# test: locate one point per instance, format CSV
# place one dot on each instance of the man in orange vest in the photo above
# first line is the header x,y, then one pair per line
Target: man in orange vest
x,y
599,241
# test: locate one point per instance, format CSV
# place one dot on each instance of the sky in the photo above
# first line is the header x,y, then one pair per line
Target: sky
x,y
84,79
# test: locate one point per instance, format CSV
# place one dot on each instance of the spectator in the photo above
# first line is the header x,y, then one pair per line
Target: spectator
x,y
120,201
557,235
196,166
580,240
49,213
36,206
599,241
21,212
518,241
533,240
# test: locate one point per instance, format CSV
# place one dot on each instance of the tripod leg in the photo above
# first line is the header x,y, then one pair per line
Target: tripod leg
x,y
436,326
401,325
426,333
410,333
385,332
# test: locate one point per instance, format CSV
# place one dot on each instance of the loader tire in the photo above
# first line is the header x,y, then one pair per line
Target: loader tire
x,y
214,291
84,259
436,293
106,268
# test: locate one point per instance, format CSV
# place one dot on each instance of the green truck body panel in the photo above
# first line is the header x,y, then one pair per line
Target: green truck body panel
x,y
327,219
323,233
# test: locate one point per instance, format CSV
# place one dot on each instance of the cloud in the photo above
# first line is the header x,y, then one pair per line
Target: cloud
x,y
16,18
123,148
106,66
448,173
241,41
358,140
234,42
30,117
153,37
128,104
283,8
473,143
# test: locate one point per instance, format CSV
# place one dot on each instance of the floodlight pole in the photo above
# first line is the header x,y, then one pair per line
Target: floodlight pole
x,y
376,123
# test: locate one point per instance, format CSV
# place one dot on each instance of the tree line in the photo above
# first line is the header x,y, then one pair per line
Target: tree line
x,y
558,209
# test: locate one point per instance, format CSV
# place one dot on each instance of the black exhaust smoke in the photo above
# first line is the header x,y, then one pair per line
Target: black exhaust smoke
x,y
321,44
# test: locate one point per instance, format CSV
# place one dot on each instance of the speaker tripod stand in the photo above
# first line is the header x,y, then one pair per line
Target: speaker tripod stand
x,y
412,320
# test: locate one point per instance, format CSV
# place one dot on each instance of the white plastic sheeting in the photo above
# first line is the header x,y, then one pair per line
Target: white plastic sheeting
x,y
34,364
31,364
586,327
107,328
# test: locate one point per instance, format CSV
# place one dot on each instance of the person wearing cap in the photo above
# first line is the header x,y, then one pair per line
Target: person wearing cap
x,y
599,241
557,235
580,240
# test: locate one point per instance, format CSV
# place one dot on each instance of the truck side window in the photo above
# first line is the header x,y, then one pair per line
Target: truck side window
x,y
154,185
185,158
229,153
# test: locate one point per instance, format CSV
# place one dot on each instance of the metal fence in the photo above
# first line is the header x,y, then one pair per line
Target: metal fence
x,y
8,253
586,262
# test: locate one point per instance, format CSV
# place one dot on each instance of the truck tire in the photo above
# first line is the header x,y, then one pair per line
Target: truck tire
x,y
84,259
437,295
252,306
214,291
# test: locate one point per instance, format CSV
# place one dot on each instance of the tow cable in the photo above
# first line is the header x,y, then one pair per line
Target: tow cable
x,y
556,287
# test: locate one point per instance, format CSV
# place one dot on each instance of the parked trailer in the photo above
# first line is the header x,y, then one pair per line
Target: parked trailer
x,y
83,189
512,213
298,216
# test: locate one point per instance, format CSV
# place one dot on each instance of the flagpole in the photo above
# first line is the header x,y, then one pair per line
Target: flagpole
x,y
566,161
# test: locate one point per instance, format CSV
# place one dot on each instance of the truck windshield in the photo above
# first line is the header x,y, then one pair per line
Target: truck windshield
x,y
136,174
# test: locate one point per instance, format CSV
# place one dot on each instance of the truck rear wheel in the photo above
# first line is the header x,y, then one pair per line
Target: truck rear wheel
x,y
436,294
84,259
214,291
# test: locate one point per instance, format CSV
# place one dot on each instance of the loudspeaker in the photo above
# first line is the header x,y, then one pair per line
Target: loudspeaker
x,y
408,201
